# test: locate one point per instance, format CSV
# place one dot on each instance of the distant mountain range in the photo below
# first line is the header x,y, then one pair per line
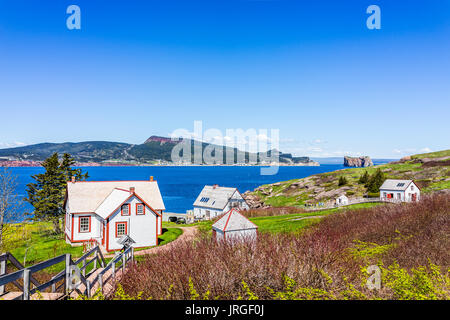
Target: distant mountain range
x,y
153,151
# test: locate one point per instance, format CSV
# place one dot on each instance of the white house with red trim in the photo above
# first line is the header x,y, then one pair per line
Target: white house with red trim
x,y
107,210
214,201
399,191
234,226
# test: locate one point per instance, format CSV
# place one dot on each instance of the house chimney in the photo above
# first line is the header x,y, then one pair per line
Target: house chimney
x,y
215,186
132,189
73,179
151,178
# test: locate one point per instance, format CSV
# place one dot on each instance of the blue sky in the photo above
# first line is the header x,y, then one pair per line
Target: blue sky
x,y
311,69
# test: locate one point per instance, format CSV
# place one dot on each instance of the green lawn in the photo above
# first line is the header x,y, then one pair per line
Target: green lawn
x,y
38,243
169,234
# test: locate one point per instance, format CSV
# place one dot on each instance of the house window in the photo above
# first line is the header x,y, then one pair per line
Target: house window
x,y
399,196
384,194
140,208
121,229
126,209
85,224
412,188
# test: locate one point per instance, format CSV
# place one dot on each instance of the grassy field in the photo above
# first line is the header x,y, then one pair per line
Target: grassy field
x,y
36,242
169,234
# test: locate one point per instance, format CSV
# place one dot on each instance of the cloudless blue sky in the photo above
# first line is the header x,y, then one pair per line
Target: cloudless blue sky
x,y
311,69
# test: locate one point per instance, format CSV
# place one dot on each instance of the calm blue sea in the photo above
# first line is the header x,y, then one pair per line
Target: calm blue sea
x,y
179,185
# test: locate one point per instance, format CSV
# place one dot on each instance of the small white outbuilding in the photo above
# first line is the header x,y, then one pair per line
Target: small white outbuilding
x,y
342,200
234,226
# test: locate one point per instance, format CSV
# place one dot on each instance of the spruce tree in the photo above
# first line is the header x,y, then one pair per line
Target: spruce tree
x,y
364,178
375,181
46,195
342,181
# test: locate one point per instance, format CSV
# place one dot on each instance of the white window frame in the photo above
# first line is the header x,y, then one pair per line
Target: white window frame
x,y
140,205
88,224
124,224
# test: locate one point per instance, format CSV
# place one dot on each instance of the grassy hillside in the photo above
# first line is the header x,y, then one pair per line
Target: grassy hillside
x,y
431,171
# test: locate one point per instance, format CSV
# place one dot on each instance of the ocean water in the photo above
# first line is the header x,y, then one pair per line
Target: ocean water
x,y
179,185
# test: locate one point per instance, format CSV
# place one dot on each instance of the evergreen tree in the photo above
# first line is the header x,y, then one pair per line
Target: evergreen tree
x,y
375,181
364,178
342,181
46,195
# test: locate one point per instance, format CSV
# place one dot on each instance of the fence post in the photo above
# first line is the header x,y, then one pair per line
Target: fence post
x,y
66,284
124,261
95,259
113,268
26,284
132,254
100,282
88,288
84,267
2,272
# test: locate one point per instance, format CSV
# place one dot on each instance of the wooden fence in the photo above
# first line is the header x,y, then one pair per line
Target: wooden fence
x,y
86,280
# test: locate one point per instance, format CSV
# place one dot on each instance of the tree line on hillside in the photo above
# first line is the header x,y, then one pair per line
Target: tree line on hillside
x,y
371,182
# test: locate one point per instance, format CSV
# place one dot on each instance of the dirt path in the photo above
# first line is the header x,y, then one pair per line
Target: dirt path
x,y
188,234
